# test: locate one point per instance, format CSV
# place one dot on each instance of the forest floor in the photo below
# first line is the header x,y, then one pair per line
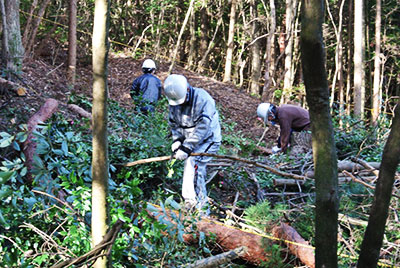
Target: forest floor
x,y
45,79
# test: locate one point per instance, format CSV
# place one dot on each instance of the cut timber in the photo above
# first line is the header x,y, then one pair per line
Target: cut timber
x,y
230,238
295,241
29,148
346,165
219,259
80,111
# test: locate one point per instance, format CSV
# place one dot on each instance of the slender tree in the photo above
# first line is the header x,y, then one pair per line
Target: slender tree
x,y
229,51
377,65
359,72
99,122
255,50
370,247
72,42
267,93
324,153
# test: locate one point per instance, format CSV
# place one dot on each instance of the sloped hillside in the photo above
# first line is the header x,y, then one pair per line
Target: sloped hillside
x,y
44,80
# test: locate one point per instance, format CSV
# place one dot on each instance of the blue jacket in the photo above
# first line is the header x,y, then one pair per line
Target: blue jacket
x,y
148,87
195,122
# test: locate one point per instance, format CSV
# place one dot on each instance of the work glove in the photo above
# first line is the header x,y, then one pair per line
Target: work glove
x,y
180,155
276,149
175,146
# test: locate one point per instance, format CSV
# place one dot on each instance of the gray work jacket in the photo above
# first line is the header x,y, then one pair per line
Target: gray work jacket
x,y
195,122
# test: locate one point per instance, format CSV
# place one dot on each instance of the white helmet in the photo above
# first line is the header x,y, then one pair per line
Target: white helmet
x,y
264,109
149,64
175,87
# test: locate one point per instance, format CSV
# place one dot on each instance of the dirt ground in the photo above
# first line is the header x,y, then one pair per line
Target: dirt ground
x,y
46,80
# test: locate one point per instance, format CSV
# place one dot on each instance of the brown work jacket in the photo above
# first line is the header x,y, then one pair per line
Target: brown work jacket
x,y
291,118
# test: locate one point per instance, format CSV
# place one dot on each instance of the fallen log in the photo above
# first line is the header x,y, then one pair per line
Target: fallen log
x,y
29,147
229,238
219,259
299,247
82,112
346,165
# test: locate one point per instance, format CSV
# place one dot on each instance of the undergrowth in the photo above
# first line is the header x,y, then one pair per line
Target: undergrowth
x,y
49,220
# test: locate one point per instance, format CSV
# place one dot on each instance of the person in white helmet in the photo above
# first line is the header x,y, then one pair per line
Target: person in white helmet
x,y
289,117
195,127
146,89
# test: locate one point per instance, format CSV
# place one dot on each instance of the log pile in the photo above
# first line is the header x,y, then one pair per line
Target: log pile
x,y
229,238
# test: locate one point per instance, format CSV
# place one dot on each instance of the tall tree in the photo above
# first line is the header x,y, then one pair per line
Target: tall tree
x,y
72,42
377,65
359,72
12,49
267,94
255,50
31,30
188,13
324,152
100,172
370,247
291,7
231,34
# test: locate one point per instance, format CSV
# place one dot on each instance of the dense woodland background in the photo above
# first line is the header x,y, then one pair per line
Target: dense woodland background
x,y
243,53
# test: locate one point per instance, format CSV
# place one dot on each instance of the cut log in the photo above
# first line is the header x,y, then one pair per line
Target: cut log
x,y
215,261
29,148
346,165
82,112
229,238
296,244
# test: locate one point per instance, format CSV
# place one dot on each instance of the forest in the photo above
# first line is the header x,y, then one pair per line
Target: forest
x,y
87,180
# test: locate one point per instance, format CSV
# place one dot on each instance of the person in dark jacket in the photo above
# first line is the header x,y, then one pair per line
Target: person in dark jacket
x,y
289,117
195,127
146,89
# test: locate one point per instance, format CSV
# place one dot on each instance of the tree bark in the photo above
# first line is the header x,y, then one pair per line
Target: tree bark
x,y
99,122
267,94
359,73
255,51
12,49
288,233
29,148
291,7
324,152
377,66
230,47
72,42
370,247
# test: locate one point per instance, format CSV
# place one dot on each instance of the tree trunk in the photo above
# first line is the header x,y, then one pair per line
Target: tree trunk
x,y
72,42
12,49
204,38
28,24
192,43
288,77
30,42
359,74
370,247
324,152
267,94
377,66
255,51
230,47
189,11
99,122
